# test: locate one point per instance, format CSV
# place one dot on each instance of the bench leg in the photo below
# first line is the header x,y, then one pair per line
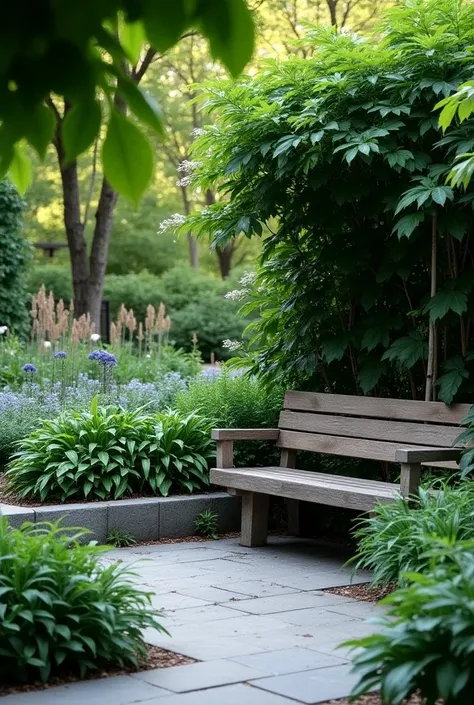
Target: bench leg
x,y
293,508
254,519
409,479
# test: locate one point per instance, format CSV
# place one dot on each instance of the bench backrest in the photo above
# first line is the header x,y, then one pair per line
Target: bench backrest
x,y
366,427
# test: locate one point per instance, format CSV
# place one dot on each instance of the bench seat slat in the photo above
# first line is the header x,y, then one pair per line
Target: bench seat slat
x,y
307,486
373,407
371,429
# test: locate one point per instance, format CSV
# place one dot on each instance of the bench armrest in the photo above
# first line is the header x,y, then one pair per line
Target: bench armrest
x,y
425,455
225,438
245,434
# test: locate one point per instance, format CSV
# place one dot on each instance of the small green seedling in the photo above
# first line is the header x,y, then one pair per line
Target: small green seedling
x,y
120,539
206,524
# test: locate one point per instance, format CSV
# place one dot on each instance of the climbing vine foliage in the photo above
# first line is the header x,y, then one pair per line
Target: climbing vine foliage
x,y
83,52
339,162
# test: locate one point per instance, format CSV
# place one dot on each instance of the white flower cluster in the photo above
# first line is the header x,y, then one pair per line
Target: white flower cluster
x,y
236,294
198,132
175,221
187,166
3,330
231,344
248,278
185,181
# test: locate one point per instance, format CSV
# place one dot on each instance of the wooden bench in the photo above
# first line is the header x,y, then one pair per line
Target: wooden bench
x,y
412,433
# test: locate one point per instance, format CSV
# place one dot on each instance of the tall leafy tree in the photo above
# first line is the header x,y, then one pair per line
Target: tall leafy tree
x,y
66,68
339,163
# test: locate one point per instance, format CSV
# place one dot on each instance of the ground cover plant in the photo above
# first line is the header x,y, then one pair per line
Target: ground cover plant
x,y
112,452
356,293
426,647
392,541
61,610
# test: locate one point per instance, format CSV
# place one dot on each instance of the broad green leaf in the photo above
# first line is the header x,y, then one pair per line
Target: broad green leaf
x,y
132,37
408,224
21,172
441,193
334,349
369,374
40,129
80,128
127,157
229,27
452,378
164,24
444,301
447,114
408,350
142,105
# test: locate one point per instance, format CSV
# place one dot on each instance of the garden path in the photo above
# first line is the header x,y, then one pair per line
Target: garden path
x,y
256,619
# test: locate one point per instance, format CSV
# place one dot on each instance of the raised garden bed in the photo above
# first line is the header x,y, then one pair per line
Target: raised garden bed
x,y
145,519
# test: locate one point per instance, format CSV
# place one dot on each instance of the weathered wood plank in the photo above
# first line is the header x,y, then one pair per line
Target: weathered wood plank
x,y
409,478
245,434
225,454
336,445
254,528
288,460
424,455
373,429
395,409
313,488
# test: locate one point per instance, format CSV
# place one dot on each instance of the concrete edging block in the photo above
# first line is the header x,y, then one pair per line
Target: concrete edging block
x,y
17,516
178,514
92,516
146,519
138,517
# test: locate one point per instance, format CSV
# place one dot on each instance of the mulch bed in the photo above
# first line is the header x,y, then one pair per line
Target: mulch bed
x,y
363,592
155,658
374,699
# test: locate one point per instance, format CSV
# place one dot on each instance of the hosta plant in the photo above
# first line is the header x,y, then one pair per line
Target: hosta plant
x,y
61,610
427,645
181,449
392,541
109,452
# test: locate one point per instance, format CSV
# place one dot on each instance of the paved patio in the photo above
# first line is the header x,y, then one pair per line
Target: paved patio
x,y
256,619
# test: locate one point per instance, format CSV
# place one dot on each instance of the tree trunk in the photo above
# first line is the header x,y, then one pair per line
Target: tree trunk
x,y
75,237
193,251
332,7
432,337
224,255
100,250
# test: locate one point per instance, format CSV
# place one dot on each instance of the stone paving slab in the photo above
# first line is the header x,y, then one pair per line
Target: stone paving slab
x,y
240,694
197,676
311,687
257,621
285,661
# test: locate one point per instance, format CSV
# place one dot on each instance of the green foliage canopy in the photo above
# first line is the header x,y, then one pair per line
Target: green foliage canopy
x,y
339,161
81,53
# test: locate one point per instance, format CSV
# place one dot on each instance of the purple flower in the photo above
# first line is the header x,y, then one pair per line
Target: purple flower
x,y
103,358
61,355
29,368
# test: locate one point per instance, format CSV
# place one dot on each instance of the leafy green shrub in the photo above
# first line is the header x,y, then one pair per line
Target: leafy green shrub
x,y
61,609
14,257
55,277
427,643
112,452
213,320
392,541
206,524
236,402
466,438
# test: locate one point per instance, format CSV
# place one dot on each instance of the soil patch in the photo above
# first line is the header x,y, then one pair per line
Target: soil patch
x,y
155,658
374,699
363,592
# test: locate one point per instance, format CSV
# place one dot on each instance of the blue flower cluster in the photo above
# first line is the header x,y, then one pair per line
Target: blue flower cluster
x,y
61,355
29,368
103,358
